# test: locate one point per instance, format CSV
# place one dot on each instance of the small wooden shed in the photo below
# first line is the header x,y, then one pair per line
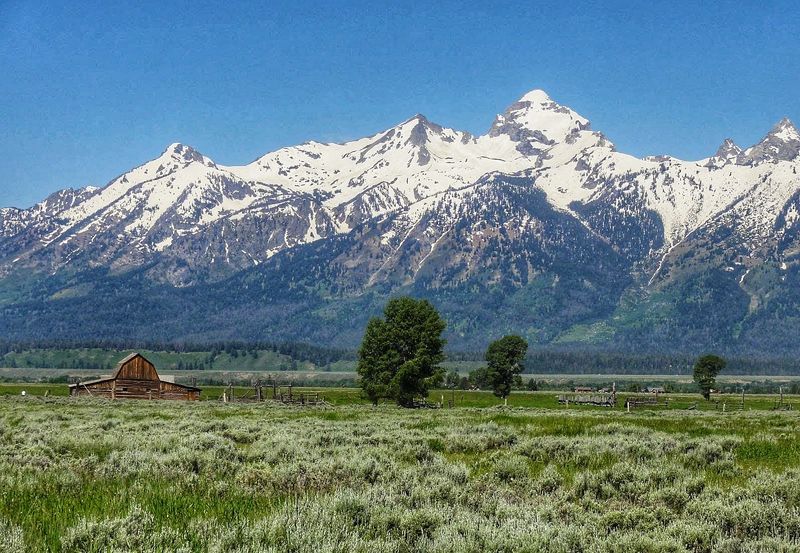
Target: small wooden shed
x,y
134,378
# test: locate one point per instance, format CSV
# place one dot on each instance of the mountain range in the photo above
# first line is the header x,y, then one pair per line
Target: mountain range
x,y
538,227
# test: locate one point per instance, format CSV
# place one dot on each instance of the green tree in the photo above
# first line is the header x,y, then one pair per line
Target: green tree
x,y
705,372
504,359
452,379
479,378
400,353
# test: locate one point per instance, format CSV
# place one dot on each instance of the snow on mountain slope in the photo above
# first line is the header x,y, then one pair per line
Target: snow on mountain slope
x,y
27,229
727,153
13,220
164,202
188,212
416,158
684,195
782,143
536,122
180,173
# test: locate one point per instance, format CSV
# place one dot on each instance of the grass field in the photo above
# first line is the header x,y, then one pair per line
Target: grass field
x,y
468,398
93,475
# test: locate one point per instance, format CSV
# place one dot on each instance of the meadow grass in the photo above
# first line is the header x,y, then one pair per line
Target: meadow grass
x,y
81,474
469,398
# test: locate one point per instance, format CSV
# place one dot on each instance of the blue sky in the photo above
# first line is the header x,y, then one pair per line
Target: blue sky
x,y
89,90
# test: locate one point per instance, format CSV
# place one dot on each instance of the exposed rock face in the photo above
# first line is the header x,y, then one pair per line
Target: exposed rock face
x,y
727,153
536,122
782,143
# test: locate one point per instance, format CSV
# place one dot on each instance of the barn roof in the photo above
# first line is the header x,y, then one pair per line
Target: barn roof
x,y
89,382
129,357
185,386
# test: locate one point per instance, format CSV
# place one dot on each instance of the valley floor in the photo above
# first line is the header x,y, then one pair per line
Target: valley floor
x,y
340,396
93,475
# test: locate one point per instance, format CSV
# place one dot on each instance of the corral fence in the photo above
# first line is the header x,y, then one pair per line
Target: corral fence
x,y
272,392
600,400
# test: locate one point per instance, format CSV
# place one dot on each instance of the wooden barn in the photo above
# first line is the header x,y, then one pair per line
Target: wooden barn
x,y
134,378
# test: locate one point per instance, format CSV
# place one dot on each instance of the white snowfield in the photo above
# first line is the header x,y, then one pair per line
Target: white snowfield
x,y
313,191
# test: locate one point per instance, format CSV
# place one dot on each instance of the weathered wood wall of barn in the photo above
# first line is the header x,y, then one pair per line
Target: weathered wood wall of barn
x,y
135,378
174,391
97,389
137,389
137,368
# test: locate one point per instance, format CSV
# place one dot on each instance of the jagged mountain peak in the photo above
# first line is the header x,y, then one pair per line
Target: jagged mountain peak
x,y
417,118
781,143
70,195
183,153
536,123
61,200
420,130
728,147
728,152
784,130
536,96
413,139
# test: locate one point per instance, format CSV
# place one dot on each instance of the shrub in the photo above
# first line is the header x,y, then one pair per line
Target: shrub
x,y
11,539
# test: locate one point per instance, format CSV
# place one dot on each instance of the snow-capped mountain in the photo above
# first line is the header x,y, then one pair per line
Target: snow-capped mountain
x,y
540,206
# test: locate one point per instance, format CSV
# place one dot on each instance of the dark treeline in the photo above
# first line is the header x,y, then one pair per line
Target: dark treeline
x,y
538,361
474,381
556,361
602,362
296,350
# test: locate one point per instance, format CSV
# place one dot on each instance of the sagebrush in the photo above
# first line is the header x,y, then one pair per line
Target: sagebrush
x,y
150,476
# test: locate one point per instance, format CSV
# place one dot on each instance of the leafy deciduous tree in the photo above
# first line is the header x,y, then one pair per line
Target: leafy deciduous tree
x,y
705,372
504,359
479,378
400,353
452,379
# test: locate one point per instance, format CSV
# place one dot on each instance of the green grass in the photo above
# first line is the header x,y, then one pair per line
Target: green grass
x,y
34,389
80,474
45,509
469,398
